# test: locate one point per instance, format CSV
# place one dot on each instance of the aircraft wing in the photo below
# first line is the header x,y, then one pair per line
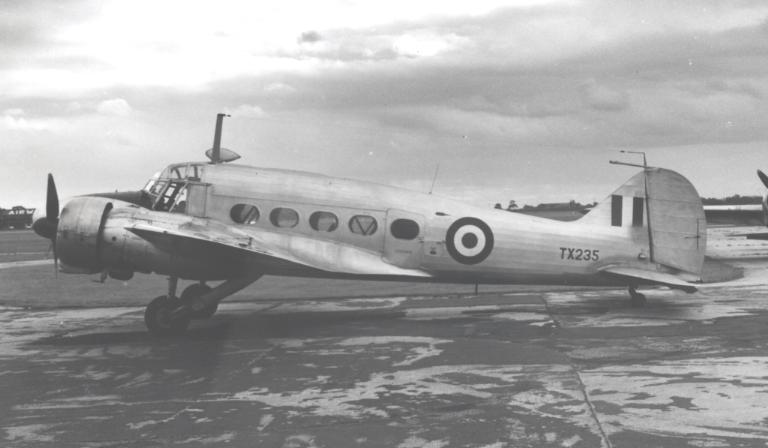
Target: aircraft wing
x,y
272,248
645,276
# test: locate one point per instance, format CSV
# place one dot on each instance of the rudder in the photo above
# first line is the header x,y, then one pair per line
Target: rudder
x,y
661,208
677,222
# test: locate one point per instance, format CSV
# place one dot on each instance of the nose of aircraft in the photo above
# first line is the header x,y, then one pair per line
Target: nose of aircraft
x,y
46,226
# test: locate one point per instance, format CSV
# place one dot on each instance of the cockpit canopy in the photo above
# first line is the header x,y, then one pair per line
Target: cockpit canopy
x,y
168,188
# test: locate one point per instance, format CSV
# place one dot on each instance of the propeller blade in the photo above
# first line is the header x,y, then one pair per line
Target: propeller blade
x,y
763,178
47,226
52,200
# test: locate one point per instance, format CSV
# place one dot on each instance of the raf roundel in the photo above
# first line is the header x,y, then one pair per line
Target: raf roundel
x,y
469,240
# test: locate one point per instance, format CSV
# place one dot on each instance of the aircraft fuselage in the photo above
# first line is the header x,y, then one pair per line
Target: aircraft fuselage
x,y
421,236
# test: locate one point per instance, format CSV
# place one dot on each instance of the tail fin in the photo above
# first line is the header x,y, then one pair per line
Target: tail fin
x,y
662,209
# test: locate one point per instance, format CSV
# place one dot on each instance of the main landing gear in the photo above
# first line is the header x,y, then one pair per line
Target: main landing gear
x,y
166,315
635,298
169,315
192,294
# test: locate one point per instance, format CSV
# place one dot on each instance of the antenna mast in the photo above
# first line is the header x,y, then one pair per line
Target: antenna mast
x,y
216,153
434,178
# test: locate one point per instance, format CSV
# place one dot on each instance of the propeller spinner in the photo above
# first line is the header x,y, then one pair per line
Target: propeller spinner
x,y
47,226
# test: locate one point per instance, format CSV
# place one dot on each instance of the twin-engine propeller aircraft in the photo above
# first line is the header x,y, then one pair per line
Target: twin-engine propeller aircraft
x,y
216,221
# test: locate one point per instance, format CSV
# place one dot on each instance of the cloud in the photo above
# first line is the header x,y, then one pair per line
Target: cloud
x,y
17,123
115,106
279,88
604,98
247,110
486,86
310,37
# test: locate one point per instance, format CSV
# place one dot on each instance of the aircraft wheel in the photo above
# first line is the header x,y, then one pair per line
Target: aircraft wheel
x,y
191,293
160,320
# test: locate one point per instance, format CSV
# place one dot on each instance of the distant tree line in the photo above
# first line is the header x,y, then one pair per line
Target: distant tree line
x,y
732,200
546,206
736,199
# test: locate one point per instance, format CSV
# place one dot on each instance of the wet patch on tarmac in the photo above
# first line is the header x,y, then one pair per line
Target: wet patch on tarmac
x,y
579,369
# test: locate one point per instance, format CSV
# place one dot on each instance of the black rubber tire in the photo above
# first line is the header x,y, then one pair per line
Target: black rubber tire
x,y
160,322
191,293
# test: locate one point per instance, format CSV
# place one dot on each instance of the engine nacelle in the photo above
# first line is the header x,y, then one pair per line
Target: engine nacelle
x,y
80,230
93,237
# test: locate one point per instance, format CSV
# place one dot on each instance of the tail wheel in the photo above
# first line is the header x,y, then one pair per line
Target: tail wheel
x,y
161,320
191,294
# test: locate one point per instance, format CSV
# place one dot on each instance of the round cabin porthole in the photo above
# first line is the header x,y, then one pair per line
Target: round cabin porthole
x,y
244,214
284,217
323,221
363,225
404,229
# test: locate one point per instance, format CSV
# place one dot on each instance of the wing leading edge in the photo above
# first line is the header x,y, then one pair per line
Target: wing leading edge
x,y
275,249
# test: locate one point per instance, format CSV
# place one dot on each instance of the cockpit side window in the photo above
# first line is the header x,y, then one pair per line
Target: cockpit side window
x,y
158,187
173,198
180,203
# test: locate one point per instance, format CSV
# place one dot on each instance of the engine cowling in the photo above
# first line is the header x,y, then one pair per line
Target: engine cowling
x,y
93,237
80,231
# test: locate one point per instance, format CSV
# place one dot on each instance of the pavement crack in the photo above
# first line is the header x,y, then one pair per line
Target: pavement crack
x,y
595,417
269,308
549,311
582,387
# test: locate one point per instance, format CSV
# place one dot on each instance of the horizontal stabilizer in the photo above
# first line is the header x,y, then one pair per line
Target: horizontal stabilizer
x,y
645,276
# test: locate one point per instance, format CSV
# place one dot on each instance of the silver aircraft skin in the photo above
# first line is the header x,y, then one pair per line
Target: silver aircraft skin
x,y
218,221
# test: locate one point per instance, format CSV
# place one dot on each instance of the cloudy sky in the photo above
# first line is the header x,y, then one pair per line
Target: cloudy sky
x,y
524,100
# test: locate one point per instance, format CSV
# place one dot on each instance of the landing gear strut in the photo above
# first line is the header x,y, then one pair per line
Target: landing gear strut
x,y
635,298
165,315
169,315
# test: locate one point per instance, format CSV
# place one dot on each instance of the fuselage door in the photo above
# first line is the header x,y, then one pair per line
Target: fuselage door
x,y
404,238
